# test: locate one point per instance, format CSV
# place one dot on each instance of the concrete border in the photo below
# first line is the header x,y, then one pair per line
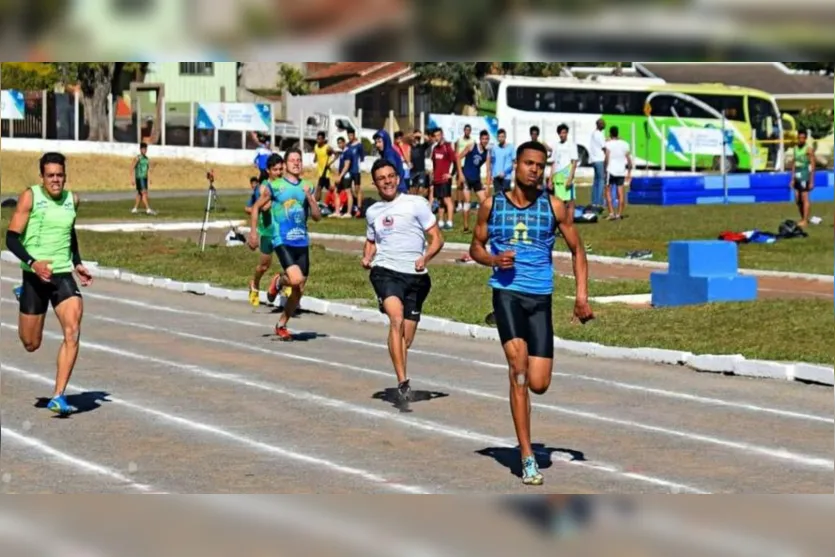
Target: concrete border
x,y
734,364
604,259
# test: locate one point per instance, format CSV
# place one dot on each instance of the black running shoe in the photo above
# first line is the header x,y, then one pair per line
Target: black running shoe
x,y
404,391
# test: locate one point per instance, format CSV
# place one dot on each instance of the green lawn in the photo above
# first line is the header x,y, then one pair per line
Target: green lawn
x,y
646,227
768,329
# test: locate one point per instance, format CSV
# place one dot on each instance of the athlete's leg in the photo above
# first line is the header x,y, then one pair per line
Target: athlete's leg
x,y
804,207
393,308
466,195
448,202
34,303
516,352
293,278
69,313
30,330
621,200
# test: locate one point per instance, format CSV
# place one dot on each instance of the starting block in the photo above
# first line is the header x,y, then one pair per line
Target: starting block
x,y
701,271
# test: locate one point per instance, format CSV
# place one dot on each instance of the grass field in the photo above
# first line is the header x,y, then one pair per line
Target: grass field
x,y
768,329
100,173
647,227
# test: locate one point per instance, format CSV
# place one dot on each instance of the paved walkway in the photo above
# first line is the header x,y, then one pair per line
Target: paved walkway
x,y
193,395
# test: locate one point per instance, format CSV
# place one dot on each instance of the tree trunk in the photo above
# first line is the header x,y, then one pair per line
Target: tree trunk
x,y
95,112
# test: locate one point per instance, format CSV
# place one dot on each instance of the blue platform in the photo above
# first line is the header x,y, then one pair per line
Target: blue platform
x,y
762,187
699,272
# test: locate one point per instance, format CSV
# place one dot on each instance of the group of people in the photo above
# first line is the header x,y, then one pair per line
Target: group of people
x,y
403,235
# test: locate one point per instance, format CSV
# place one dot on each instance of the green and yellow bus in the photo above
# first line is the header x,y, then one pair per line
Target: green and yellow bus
x,y
645,110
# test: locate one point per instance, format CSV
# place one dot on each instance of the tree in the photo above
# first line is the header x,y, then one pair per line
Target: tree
x,y
816,120
452,86
28,76
292,80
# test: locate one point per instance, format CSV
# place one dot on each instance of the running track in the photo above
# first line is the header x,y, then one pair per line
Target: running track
x,y
183,394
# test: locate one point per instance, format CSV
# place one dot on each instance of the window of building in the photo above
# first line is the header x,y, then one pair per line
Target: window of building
x,y
197,68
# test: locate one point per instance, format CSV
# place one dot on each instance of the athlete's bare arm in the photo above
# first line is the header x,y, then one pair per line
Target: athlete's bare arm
x,y
20,218
478,246
578,258
257,207
369,250
436,243
810,152
315,210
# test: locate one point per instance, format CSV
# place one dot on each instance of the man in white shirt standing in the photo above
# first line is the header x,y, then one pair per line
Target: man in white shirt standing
x,y
597,157
396,231
618,165
565,165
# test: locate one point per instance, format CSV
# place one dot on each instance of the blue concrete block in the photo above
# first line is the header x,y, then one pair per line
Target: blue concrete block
x,y
672,290
703,258
735,182
822,195
769,180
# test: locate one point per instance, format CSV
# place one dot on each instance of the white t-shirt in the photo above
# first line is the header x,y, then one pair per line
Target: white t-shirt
x,y
596,145
618,149
398,227
564,154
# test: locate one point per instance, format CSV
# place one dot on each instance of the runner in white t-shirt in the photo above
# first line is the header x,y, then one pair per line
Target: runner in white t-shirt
x,y
618,166
395,250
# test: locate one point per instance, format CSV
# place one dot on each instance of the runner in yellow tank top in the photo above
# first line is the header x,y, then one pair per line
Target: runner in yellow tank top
x,y
324,157
42,235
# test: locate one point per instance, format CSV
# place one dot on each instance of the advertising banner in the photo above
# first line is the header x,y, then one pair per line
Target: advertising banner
x,y
234,116
12,106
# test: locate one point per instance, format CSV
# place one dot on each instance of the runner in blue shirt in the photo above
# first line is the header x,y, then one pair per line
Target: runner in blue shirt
x,y
520,225
357,154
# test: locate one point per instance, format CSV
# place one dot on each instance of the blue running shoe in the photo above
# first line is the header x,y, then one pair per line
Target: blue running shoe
x,y
530,472
18,290
59,405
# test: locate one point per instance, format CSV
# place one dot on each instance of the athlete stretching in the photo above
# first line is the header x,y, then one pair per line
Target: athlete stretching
x,y
292,202
261,219
520,226
396,230
42,235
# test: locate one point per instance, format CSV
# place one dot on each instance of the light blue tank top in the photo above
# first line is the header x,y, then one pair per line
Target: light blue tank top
x,y
289,212
531,233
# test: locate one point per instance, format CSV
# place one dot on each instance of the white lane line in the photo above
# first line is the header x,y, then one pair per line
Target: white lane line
x,y
73,461
710,401
218,432
779,454
414,423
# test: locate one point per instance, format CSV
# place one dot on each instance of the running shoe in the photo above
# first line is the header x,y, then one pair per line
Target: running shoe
x,y
18,290
60,406
282,333
254,296
530,472
272,291
404,391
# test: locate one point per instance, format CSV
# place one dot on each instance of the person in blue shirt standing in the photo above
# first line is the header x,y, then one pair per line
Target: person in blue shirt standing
x,y
262,153
520,225
357,154
291,204
475,156
502,157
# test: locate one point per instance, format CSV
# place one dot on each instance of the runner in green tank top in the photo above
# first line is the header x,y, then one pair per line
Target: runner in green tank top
x,y
42,235
803,176
141,179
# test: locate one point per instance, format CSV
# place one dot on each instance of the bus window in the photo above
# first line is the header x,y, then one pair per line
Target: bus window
x,y
763,118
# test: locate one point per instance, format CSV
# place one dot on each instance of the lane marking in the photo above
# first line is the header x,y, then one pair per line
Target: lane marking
x,y
710,401
73,461
219,432
414,423
780,454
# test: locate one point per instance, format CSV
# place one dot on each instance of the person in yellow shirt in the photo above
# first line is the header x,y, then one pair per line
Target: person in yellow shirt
x,y
325,157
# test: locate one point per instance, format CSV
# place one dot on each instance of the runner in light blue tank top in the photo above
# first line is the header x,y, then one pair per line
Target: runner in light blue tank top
x,y
521,227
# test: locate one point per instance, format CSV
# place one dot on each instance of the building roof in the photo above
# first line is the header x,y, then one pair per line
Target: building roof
x,y
771,77
360,79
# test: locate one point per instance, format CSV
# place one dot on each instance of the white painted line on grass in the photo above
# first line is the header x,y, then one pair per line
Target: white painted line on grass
x,y
218,432
73,461
780,454
414,423
710,401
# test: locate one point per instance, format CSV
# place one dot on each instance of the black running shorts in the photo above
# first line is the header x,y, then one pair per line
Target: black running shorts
x,y
411,289
291,255
475,185
324,183
37,294
527,317
443,190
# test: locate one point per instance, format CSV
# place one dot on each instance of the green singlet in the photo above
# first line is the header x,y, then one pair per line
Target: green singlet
x,y
49,230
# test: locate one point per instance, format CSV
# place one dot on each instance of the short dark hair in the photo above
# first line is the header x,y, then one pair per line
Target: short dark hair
x,y
273,160
253,179
52,158
562,127
501,130
467,126
417,131
532,146
398,134
143,145
436,130
379,164
482,133
320,134
534,129
803,133
613,131
351,130
292,150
